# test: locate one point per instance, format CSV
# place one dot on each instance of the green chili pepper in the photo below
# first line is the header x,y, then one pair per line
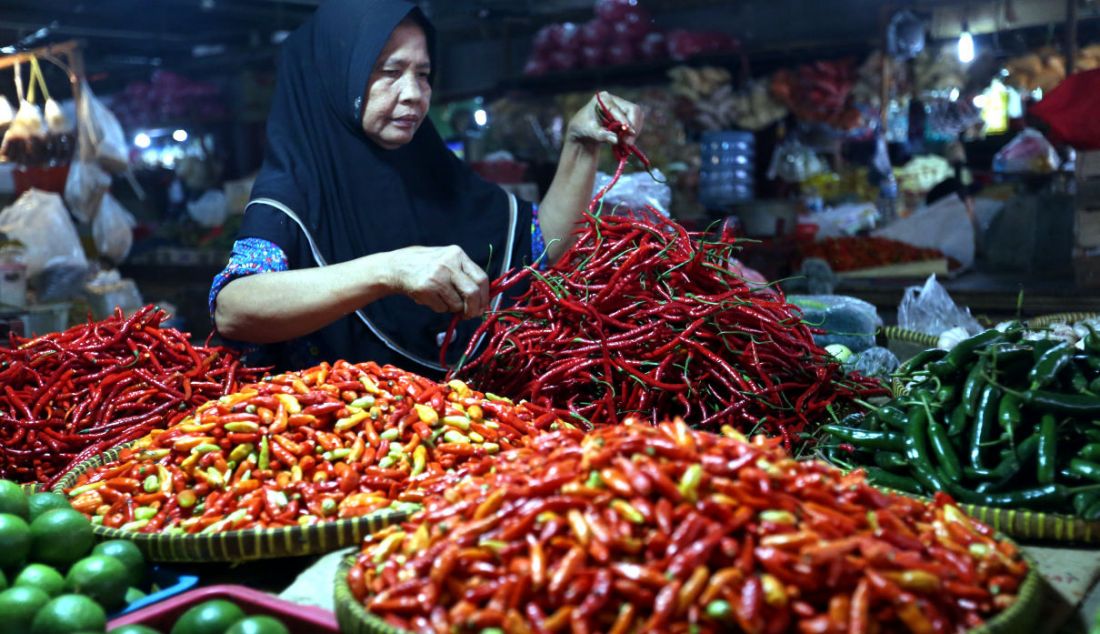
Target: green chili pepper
x,y
866,439
1092,340
1090,452
689,482
916,450
719,610
1092,513
151,484
889,480
1071,404
1049,495
1085,469
1008,412
1094,385
946,394
1082,501
921,359
265,454
956,425
959,356
892,416
945,453
972,388
1041,347
981,432
1048,449
1049,365
892,461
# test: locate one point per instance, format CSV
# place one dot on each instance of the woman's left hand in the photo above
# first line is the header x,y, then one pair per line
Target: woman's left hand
x,y
586,128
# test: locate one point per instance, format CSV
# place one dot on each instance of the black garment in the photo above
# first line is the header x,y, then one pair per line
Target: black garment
x,y
356,198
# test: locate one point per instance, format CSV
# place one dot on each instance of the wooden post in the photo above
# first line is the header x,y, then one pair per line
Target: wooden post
x,y
1071,36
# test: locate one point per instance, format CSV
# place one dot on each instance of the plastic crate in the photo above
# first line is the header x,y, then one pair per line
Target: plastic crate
x,y
168,583
299,619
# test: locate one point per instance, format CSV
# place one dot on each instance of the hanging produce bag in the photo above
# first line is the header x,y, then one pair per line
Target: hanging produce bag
x,y
113,230
101,136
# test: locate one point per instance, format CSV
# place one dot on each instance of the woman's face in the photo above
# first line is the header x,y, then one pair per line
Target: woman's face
x,y
398,93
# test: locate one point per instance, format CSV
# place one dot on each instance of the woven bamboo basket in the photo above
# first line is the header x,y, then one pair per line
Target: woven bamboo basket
x,y
241,545
1021,616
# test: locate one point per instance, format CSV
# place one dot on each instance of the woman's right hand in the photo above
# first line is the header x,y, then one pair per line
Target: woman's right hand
x,y
444,279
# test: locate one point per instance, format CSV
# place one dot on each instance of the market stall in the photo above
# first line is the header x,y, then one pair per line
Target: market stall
x,y
816,348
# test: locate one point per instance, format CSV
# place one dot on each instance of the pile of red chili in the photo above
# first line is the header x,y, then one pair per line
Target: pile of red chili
x,y
66,396
636,528
640,316
850,253
300,447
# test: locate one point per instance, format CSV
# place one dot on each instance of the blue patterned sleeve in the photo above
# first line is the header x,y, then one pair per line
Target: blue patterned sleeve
x,y
249,257
538,244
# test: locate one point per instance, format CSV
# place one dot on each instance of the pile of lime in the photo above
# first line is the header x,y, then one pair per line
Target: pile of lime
x,y
52,580
217,616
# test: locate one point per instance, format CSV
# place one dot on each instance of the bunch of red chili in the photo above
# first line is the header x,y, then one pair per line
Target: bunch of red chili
x,y
66,396
850,253
635,528
641,317
297,448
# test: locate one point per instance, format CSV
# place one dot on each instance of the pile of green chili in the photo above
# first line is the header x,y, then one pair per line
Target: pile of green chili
x,y
997,421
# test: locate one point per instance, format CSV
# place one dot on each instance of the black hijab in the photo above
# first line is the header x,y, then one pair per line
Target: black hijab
x,y
356,198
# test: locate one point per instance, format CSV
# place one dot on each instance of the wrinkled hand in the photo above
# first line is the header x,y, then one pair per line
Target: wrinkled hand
x,y
444,279
585,126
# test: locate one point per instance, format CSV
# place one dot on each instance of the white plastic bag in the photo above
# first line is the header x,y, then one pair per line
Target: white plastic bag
x,y
1028,152
636,191
210,210
40,221
25,140
929,309
101,136
944,225
84,188
113,230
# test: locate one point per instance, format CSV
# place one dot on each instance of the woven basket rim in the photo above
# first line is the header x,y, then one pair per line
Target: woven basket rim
x,y
205,542
1027,599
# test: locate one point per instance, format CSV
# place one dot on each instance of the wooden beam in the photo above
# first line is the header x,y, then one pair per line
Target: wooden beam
x,y
1071,36
67,49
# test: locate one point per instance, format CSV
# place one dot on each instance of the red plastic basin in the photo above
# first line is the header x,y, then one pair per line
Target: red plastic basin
x,y
299,619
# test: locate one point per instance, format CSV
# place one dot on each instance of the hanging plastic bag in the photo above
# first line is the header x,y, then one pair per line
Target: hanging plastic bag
x,y
6,115
101,134
1028,153
210,210
40,221
794,162
636,191
25,141
113,230
929,309
84,188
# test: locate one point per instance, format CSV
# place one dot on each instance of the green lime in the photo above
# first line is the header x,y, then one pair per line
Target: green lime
x,y
15,541
12,499
39,503
102,578
209,617
69,613
261,624
133,629
41,576
60,537
18,607
128,554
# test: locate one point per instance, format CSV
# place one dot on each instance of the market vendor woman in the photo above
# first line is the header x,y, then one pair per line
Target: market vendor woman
x,y
365,234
